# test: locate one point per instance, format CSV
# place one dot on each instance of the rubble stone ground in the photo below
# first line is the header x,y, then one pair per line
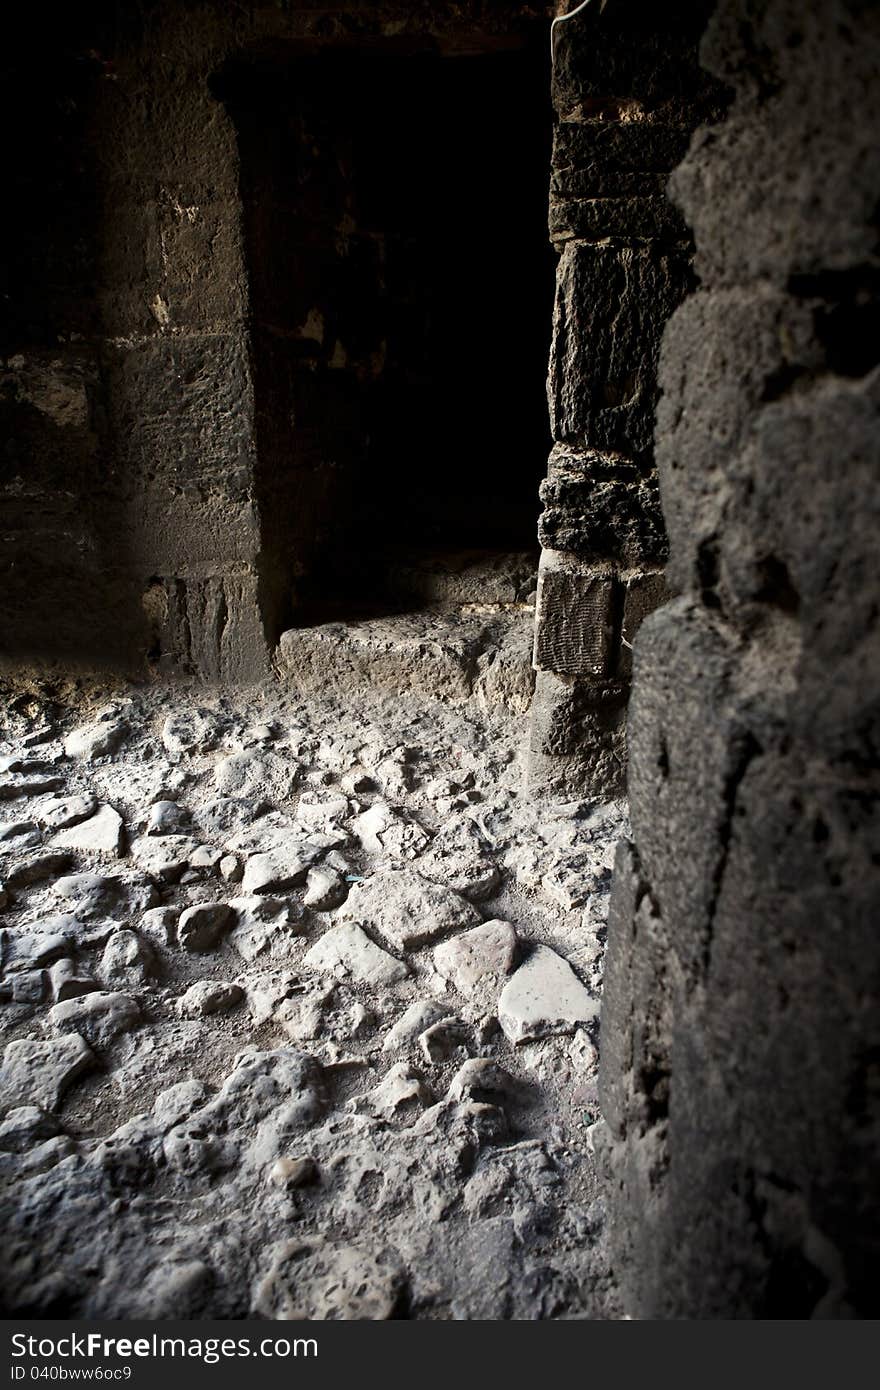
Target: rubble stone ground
x,y
299,1004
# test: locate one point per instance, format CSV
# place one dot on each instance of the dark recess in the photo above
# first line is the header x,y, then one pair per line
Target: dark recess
x,y
401,288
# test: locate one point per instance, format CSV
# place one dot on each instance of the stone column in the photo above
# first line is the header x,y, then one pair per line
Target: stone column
x,y
627,94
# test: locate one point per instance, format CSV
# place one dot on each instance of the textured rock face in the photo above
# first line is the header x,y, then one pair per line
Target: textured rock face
x,y
368,1102
628,92
141,521
740,1014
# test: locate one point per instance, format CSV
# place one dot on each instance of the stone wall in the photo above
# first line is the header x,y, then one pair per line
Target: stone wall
x,y
56,548
741,1028
628,93
140,525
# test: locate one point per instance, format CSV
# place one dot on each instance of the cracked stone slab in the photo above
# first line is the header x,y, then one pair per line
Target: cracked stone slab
x,y
164,857
104,895
97,1017
419,1016
382,830
283,867
263,923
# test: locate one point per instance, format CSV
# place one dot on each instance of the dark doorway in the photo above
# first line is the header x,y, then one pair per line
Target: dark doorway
x,y
401,288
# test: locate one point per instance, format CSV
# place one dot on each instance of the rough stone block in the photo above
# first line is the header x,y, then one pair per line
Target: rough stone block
x,y
172,262
644,593
602,506
650,216
577,739
614,158
754,343
181,413
574,622
612,304
807,223
687,747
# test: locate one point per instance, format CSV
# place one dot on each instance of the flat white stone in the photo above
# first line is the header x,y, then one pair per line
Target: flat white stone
x,y
102,833
544,997
413,1022
325,890
164,857
279,868
348,953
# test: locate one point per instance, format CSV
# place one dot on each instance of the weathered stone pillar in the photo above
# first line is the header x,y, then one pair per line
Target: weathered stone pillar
x,y
741,1013
628,94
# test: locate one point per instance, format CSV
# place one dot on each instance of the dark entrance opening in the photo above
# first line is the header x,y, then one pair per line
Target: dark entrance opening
x,y
401,288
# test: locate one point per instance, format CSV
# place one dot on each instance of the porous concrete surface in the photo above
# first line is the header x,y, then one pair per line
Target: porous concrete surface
x,y
218,1101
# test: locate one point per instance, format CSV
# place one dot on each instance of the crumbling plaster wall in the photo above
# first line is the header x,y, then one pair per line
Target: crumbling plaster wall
x,y
138,528
740,1019
628,93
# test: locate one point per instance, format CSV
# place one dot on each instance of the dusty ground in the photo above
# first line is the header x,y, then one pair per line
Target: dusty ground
x,y
330,1092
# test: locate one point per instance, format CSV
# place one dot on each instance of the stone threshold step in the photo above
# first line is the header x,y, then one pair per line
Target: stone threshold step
x,y
438,655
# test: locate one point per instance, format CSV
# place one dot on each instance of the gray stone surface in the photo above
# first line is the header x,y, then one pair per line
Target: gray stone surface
x,y
101,834
96,740
348,953
478,962
200,928
438,654
97,1017
406,909
625,266
39,1073
740,1007
209,997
